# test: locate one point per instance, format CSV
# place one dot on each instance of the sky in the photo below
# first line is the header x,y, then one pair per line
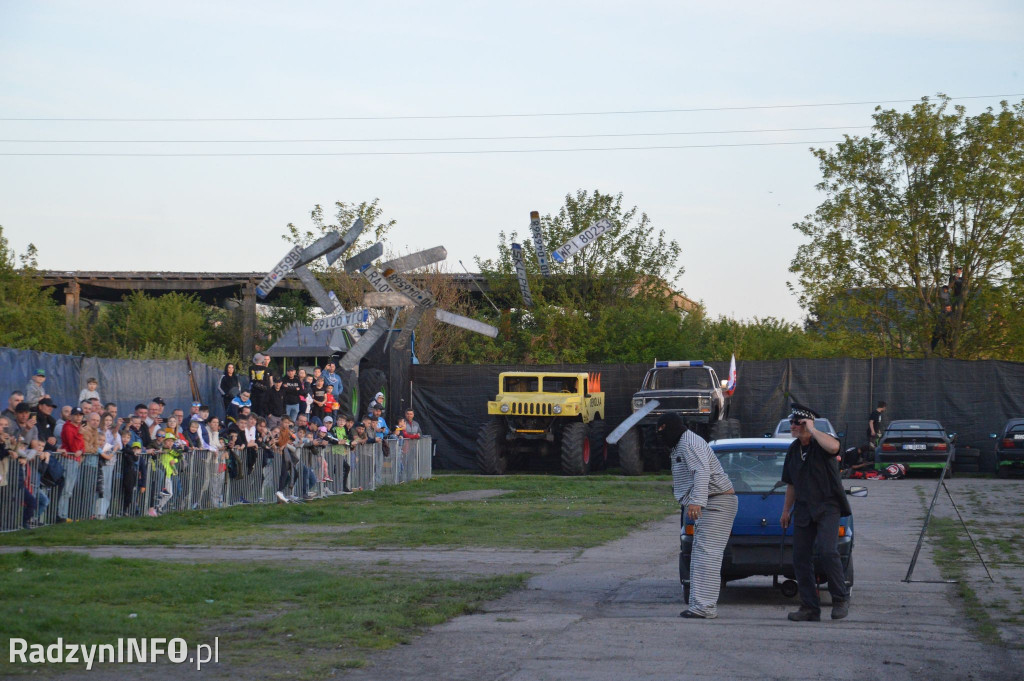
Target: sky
x,y
399,72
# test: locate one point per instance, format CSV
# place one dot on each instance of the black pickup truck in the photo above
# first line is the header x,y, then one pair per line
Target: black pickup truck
x,y
688,388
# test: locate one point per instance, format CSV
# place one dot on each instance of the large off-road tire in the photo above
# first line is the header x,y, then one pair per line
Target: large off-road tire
x,y
719,431
491,448
598,431
988,462
575,449
371,382
630,456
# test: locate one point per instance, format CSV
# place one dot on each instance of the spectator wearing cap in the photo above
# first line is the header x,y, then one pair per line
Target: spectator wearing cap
x,y
46,424
193,411
16,398
34,391
292,387
337,437
90,390
131,462
815,500
167,461
378,401
379,424
74,447
24,426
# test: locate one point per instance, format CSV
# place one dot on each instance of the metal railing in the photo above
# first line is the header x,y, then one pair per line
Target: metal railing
x,y
201,479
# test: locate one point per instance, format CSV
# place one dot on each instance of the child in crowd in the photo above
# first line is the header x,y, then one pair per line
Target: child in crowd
x,y
90,391
400,429
167,460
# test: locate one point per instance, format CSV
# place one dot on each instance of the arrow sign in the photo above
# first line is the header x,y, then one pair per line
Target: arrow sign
x,y
279,272
341,320
346,243
524,285
581,240
416,260
538,244
405,287
351,359
638,415
394,299
364,258
466,323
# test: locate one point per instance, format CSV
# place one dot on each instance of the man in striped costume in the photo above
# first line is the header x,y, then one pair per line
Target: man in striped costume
x,y
705,495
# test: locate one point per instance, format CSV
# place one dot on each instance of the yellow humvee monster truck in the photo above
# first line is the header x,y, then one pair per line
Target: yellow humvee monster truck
x,y
544,414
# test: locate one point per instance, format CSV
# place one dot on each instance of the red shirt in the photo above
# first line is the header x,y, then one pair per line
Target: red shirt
x,y
71,440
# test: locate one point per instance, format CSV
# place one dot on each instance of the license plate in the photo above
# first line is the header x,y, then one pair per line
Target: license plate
x,y
1018,436
915,447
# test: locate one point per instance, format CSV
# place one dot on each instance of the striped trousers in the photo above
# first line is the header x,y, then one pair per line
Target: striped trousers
x,y
710,536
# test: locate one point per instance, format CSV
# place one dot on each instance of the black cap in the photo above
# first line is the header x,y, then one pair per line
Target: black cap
x,y
47,402
22,408
76,410
159,400
802,412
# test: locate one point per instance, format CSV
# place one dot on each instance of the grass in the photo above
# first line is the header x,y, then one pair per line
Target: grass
x,y
952,550
310,620
539,512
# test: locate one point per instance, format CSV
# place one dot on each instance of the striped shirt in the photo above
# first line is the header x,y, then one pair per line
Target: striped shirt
x,y
696,471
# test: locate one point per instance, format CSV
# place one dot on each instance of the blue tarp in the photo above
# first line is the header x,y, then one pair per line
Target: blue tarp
x,y
125,382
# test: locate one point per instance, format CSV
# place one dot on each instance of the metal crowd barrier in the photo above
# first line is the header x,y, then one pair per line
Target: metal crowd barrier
x,y
201,480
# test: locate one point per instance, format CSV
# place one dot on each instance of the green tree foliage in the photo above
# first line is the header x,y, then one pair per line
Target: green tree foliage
x,y
927,190
29,316
611,302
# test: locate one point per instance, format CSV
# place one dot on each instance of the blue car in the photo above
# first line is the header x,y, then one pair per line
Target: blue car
x,y
757,545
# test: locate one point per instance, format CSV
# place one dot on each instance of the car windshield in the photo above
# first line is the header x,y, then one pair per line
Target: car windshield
x,y
560,384
821,424
686,379
752,470
521,384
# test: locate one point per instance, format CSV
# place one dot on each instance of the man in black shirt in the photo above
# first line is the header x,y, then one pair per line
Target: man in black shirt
x,y
46,424
292,389
815,500
875,424
260,383
275,403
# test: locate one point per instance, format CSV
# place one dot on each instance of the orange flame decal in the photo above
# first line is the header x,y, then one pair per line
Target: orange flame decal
x,y
594,382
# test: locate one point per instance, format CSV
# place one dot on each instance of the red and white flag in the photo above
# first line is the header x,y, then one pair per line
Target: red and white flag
x,y
730,388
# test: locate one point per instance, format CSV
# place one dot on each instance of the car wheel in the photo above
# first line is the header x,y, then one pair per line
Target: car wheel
x,y
849,573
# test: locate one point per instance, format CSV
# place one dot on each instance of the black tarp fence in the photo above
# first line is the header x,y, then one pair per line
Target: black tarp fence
x,y
125,382
971,398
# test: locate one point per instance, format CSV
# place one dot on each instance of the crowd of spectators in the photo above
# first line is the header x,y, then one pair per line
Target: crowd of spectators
x,y
273,416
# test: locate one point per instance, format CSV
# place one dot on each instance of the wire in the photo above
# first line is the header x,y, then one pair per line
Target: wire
x,y
441,139
423,153
500,115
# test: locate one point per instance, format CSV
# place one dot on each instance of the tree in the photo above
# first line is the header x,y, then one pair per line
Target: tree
x,y
926,191
29,316
375,228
